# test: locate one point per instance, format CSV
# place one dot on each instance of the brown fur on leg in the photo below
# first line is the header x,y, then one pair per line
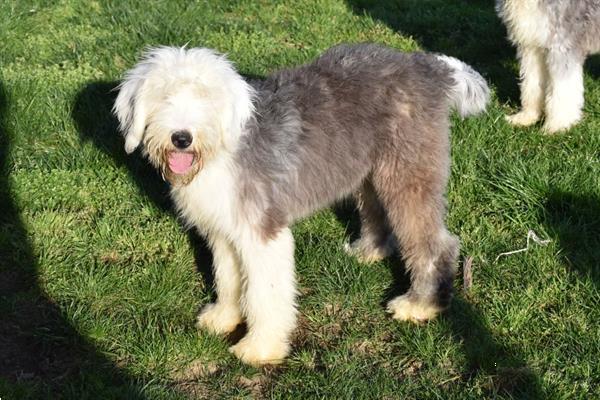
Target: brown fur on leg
x,y
376,240
416,208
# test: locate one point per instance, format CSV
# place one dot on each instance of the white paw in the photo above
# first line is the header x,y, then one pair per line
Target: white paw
x,y
405,308
255,352
368,253
219,318
561,123
523,118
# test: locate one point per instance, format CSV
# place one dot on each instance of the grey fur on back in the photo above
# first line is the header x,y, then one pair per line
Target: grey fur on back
x,y
321,128
373,121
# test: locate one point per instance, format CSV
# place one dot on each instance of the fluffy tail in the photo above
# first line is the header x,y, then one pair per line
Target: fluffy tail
x,y
470,93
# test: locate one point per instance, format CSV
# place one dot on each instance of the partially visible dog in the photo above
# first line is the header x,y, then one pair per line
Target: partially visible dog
x,y
553,38
245,161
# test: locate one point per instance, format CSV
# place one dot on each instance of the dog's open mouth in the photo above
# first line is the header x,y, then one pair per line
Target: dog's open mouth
x,y
181,163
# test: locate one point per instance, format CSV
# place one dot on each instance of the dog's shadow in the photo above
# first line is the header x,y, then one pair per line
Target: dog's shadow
x,y
95,122
501,369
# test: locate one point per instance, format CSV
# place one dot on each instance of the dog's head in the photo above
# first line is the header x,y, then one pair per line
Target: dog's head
x,y
183,106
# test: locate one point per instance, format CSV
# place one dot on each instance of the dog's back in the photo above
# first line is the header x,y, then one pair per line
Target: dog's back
x,y
329,120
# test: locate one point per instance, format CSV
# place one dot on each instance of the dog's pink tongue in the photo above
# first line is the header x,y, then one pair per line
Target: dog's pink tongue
x,y
180,163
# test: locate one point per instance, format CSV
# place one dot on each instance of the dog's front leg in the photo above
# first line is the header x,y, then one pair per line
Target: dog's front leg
x,y
268,298
225,314
533,86
564,101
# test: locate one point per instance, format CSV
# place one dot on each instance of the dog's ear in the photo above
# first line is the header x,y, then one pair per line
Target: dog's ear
x,y
130,107
239,109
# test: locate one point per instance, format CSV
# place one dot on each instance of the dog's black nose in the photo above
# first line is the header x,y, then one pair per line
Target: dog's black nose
x,y
181,139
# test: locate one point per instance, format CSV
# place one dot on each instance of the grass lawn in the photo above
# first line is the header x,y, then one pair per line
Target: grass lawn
x,y
100,284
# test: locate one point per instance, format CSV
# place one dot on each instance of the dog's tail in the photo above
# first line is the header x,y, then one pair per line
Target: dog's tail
x,y
470,93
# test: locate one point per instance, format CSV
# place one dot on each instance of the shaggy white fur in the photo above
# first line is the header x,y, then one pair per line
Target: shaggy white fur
x,y
553,37
470,94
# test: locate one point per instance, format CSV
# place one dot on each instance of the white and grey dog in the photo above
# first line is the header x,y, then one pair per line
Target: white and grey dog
x,y
553,38
246,160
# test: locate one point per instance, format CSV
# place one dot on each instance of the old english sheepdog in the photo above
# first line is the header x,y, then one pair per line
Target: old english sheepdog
x,y
553,38
245,160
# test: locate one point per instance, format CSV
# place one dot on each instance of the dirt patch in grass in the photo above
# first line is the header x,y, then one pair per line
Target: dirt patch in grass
x,y
192,379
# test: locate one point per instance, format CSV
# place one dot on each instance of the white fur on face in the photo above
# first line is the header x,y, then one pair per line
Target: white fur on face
x,y
182,109
175,89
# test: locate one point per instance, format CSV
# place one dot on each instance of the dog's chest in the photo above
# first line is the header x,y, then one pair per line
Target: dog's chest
x,y
207,202
527,21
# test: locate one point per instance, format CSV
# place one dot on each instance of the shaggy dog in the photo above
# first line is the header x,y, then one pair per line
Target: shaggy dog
x,y
246,160
553,38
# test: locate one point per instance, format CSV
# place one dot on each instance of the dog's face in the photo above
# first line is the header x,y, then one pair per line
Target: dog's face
x,y
184,107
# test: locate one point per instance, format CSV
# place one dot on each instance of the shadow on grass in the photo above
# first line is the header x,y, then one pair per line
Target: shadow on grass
x,y
96,123
592,65
465,29
575,219
41,354
498,369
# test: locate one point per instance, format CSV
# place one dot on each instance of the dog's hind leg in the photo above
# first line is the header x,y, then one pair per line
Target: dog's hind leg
x,y
564,100
376,240
268,297
415,205
225,314
533,80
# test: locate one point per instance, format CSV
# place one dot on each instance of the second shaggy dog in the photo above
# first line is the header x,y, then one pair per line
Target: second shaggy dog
x,y
553,38
245,161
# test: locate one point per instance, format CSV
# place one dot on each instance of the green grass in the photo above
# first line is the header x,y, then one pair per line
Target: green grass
x,y
99,283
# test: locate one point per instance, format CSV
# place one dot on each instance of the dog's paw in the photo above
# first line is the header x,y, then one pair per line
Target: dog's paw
x,y
260,352
556,125
523,118
407,308
218,318
368,253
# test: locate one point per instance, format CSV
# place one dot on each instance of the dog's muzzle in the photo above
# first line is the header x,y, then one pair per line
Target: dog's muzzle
x,y
180,167
182,162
